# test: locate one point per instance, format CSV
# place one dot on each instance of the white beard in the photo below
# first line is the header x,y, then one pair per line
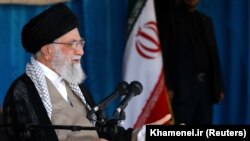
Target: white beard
x,y
72,73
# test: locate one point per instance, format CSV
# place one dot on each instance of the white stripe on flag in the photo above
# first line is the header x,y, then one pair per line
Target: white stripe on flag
x,y
143,62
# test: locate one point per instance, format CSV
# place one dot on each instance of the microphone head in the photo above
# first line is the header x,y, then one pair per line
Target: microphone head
x,y
122,88
136,87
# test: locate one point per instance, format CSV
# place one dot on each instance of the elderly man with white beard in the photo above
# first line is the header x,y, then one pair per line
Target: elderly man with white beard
x,y
51,92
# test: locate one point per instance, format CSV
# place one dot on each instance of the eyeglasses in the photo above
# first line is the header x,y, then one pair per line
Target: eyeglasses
x,y
72,44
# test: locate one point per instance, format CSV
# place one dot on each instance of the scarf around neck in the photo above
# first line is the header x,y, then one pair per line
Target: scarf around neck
x,y
34,71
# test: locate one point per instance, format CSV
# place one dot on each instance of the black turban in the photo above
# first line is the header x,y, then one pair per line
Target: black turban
x,y
48,26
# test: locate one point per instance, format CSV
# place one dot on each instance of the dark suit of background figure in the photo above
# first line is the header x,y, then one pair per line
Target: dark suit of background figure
x,y
191,65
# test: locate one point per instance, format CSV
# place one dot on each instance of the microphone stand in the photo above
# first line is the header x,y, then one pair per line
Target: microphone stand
x,y
64,127
119,115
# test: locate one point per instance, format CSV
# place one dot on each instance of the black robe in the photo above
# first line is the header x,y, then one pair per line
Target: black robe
x,y
178,57
23,107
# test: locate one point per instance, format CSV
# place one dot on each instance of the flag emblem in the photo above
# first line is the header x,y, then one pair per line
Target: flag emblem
x,y
147,43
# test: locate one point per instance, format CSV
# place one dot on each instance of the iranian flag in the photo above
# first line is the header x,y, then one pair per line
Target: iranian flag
x,y
143,63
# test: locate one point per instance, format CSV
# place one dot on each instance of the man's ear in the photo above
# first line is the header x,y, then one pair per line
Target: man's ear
x,y
47,51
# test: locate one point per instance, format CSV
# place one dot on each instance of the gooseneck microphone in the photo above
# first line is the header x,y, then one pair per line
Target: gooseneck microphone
x,y
121,89
112,125
134,89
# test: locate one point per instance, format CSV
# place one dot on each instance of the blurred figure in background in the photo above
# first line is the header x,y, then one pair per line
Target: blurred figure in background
x,y
191,63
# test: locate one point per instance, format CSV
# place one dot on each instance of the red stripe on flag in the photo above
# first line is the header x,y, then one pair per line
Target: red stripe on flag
x,y
157,105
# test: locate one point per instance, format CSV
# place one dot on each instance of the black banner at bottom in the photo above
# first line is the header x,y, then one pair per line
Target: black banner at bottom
x,y
197,132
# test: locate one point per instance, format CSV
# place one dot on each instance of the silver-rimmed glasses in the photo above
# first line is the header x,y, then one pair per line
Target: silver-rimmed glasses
x,y
72,44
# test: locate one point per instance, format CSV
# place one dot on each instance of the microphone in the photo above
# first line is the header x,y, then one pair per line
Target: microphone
x,y
135,88
121,89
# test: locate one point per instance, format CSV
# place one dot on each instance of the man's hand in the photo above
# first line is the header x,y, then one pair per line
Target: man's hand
x,y
162,120
139,134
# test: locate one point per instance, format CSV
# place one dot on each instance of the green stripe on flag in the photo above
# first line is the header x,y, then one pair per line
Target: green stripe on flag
x,y
134,9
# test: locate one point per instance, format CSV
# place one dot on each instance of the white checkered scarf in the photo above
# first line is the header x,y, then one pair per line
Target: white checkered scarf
x,y
36,74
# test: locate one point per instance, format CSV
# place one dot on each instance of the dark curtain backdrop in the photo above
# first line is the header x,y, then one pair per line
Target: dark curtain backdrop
x,y
103,24
231,19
